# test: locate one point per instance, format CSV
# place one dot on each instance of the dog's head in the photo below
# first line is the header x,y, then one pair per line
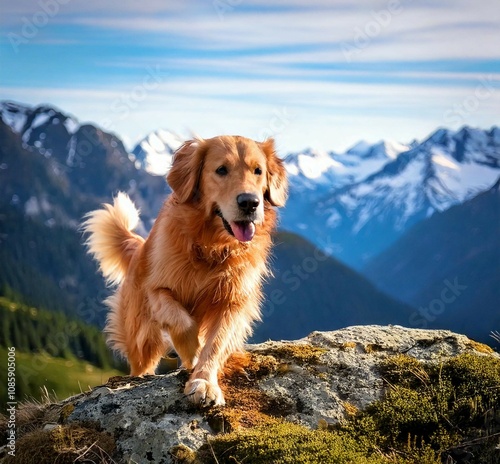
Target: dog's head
x,y
232,177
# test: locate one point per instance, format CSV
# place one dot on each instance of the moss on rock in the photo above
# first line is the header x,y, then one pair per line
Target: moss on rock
x,y
182,454
299,352
445,408
247,405
286,443
430,413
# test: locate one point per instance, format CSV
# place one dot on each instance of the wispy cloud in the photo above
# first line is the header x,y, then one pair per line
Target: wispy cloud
x,y
346,70
414,30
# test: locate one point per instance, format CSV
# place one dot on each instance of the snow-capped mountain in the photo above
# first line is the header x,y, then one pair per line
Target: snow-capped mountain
x,y
30,123
314,175
154,152
56,166
359,219
313,167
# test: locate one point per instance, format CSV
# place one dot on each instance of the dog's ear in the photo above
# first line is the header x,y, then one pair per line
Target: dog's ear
x,y
184,175
277,183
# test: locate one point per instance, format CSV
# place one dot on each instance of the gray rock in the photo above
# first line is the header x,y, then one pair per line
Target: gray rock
x,y
319,378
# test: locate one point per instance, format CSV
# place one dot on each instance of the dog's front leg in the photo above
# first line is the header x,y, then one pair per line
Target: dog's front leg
x,y
224,334
175,319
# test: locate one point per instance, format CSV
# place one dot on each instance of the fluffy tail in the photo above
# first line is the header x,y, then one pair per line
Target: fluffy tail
x,y
111,240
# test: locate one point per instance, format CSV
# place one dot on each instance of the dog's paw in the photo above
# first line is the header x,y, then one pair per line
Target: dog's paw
x,y
202,392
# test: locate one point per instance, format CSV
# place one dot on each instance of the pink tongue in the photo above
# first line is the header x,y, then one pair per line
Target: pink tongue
x,y
243,231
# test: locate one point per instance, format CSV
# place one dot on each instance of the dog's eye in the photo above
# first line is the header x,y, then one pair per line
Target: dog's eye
x,y
221,171
258,171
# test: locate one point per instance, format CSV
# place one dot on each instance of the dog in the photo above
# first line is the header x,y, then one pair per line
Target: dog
x,y
194,284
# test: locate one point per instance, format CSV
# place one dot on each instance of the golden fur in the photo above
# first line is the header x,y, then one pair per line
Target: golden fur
x,y
192,285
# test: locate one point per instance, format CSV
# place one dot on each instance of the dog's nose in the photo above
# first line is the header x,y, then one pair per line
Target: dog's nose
x,y
248,202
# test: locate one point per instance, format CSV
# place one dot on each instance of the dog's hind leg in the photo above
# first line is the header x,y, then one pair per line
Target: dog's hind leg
x,y
181,327
134,336
147,350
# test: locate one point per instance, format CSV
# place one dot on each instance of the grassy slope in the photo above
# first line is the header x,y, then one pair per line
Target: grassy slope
x,y
61,377
53,352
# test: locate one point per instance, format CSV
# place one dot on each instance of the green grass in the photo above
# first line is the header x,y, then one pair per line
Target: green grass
x,y
61,377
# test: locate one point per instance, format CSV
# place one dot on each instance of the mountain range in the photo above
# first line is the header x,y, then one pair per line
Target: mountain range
x,y
354,206
448,267
357,210
311,289
53,171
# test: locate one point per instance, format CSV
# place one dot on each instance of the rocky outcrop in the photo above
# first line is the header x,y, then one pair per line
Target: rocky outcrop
x,y
316,381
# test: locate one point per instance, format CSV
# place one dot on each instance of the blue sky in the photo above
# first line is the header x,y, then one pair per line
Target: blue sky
x,y
316,73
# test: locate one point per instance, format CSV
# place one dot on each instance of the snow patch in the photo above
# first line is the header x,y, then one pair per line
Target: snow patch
x,y
32,207
158,163
40,119
313,167
13,115
394,149
71,152
439,157
171,140
154,153
292,169
462,184
71,125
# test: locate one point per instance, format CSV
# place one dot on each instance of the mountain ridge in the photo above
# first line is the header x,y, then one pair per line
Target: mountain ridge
x,y
311,289
364,218
458,249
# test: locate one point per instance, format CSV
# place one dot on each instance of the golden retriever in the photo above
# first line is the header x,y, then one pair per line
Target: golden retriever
x,y
194,285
